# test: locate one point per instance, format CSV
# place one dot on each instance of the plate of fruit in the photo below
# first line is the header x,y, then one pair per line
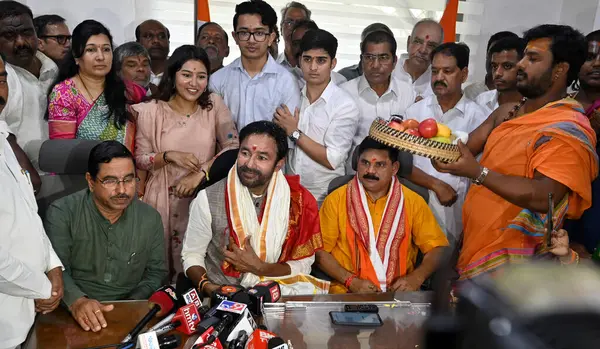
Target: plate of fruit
x,y
427,138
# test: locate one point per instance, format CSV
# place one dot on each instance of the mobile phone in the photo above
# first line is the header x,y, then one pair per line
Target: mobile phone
x,y
361,308
345,318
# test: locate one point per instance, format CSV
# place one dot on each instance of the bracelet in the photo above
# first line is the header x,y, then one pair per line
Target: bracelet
x,y
349,281
165,158
479,180
205,174
574,259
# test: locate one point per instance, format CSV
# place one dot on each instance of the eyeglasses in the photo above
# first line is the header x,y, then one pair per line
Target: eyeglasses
x,y
383,58
258,36
60,39
112,183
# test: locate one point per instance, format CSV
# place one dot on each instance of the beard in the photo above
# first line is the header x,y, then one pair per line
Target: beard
x,y
535,87
259,180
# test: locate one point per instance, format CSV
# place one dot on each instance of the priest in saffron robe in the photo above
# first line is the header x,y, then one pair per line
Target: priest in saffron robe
x,y
256,224
373,228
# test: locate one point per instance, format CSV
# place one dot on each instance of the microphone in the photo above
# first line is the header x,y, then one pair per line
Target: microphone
x,y
186,320
188,297
263,292
259,339
277,343
151,341
162,302
240,341
232,318
219,169
225,293
202,341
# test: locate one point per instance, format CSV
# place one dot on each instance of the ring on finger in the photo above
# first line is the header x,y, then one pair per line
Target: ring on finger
x,y
97,311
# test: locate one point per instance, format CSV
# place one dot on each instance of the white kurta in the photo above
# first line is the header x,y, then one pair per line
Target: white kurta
x,y
25,252
422,85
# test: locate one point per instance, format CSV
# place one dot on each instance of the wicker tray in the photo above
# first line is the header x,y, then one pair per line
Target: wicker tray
x,y
381,132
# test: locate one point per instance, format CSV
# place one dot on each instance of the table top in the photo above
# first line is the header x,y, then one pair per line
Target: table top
x,y
59,330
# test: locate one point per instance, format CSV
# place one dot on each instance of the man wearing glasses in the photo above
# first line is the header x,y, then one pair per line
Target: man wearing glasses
x,y
377,92
54,37
293,13
30,75
254,85
110,243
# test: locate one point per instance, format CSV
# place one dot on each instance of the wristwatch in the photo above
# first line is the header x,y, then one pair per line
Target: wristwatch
x,y
479,180
295,136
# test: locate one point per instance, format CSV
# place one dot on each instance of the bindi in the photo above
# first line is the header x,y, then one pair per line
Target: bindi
x,y
253,147
426,37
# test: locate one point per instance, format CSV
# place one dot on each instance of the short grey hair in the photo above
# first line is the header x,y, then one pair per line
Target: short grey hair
x,y
128,49
295,4
428,21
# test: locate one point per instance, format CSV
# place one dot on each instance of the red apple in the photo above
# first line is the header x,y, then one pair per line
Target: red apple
x,y
396,125
428,128
413,131
411,123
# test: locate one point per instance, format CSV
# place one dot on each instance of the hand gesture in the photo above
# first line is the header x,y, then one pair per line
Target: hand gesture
x,y
284,118
446,195
407,283
560,243
363,286
45,306
184,160
188,184
466,166
89,313
244,260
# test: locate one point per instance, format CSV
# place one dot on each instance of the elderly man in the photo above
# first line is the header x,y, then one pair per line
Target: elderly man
x,y
291,14
111,243
271,222
356,70
132,62
30,76
155,37
373,228
214,40
30,271
54,37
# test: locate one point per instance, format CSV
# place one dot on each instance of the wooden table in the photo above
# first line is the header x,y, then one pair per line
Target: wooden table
x,y
59,330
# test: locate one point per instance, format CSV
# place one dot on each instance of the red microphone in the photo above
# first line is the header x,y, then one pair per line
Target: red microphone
x,y
202,341
259,339
162,302
186,320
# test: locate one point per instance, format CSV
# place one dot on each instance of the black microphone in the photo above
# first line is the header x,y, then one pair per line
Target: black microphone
x,y
240,341
171,341
277,343
219,169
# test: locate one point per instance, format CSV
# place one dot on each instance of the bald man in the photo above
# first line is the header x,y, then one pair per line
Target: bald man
x,y
154,36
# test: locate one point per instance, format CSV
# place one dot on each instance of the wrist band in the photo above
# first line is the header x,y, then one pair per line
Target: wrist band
x,y
165,158
349,281
205,174
574,259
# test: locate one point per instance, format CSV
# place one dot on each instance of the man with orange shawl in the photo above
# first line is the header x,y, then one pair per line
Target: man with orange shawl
x,y
542,145
373,229
256,223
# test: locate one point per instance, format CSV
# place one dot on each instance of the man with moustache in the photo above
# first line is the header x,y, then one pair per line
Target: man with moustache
x,y
544,145
323,127
111,243
449,70
414,67
133,64
354,71
155,37
291,14
373,228
256,223
504,56
30,75
54,37
214,40
254,85
30,271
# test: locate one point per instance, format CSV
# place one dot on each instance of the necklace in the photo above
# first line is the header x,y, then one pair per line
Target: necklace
x,y
513,112
88,91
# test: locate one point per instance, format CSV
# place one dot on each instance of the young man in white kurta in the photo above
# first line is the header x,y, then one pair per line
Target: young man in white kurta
x,y
449,70
323,128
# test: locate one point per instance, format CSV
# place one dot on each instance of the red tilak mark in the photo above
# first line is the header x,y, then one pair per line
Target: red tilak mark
x,y
426,37
253,147
373,160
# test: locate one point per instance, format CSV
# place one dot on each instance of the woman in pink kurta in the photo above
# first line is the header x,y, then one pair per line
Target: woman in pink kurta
x,y
178,137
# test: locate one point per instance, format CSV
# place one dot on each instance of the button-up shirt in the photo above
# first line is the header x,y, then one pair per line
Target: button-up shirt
x,y
155,78
351,72
422,85
488,101
27,103
255,98
475,89
336,78
399,96
330,121
26,254
104,261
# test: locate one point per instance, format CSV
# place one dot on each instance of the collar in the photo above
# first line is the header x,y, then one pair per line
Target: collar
x,y
4,132
363,84
460,106
327,93
400,65
48,65
269,68
494,100
282,59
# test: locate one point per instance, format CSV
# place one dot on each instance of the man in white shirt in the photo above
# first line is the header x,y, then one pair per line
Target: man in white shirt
x,y
254,85
450,107
30,76
415,66
155,37
297,34
377,92
323,128
291,14
504,56
30,271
